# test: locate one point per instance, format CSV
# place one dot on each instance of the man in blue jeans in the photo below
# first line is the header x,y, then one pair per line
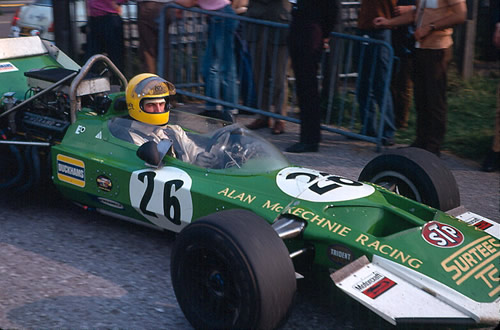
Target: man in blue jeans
x,y
219,63
374,71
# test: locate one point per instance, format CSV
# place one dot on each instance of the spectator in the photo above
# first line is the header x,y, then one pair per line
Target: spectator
x,y
312,21
492,161
105,34
373,73
219,62
434,21
403,43
270,59
147,24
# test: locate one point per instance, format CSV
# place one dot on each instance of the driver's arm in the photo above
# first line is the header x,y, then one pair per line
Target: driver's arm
x,y
193,153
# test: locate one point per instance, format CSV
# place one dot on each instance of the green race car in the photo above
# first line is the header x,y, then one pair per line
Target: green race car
x,y
251,223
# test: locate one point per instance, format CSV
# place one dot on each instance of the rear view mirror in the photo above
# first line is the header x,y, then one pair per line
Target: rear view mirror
x,y
152,153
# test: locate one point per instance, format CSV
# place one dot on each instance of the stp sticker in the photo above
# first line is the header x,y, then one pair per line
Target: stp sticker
x,y
316,186
442,235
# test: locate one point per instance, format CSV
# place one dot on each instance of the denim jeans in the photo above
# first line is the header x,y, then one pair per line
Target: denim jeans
x,y
371,85
219,64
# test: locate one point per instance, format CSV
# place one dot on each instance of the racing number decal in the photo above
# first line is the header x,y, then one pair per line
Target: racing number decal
x,y
318,186
162,196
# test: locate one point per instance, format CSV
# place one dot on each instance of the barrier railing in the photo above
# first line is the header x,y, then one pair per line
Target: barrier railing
x,y
339,73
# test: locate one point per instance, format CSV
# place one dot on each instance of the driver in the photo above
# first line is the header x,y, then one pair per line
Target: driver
x,y
147,97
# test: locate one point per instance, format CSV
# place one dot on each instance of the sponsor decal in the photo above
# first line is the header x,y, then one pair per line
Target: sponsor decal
x,y
163,196
483,225
111,203
316,186
380,287
339,254
80,129
104,183
389,251
99,135
374,285
7,67
442,235
71,170
477,261
233,194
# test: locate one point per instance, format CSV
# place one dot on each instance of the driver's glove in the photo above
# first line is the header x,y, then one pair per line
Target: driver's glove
x,y
206,159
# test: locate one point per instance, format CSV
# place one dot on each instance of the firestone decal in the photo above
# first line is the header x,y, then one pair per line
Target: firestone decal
x,y
442,235
163,196
315,186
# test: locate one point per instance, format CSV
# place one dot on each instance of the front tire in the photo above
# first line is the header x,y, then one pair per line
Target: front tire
x,y
414,173
231,270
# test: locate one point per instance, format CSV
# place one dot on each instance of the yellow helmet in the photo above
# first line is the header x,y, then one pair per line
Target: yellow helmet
x,y
148,86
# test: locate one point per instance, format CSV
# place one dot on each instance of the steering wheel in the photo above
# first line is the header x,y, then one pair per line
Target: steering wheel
x,y
225,138
230,132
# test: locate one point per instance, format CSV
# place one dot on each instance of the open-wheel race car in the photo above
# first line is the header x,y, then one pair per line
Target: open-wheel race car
x,y
249,224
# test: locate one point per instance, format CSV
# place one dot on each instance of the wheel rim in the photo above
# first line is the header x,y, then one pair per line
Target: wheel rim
x,y
397,183
216,294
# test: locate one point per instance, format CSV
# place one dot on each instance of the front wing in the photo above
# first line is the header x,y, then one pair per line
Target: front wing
x,y
401,295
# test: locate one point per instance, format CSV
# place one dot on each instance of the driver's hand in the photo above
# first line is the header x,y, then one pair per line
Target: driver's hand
x,y
206,159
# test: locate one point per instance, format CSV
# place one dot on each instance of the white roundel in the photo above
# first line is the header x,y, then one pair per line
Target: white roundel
x,y
315,186
163,196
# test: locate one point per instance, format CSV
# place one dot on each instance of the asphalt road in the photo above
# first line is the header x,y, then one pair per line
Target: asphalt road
x,y
62,267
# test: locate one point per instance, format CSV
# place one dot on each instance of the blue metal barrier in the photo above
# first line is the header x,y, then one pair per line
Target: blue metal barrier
x,y
188,37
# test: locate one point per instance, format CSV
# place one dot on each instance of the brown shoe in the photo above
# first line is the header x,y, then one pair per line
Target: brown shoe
x,y
279,127
259,123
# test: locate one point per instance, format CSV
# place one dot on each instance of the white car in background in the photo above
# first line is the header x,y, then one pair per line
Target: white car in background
x,y
37,19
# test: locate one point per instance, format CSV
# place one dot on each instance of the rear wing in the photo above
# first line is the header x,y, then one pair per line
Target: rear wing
x,y
14,48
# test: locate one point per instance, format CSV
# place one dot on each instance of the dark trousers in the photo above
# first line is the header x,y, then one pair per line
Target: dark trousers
x,y
311,22
431,105
106,36
401,89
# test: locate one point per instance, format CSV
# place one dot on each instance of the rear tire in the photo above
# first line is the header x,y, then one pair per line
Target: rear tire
x,y
231,270
414,173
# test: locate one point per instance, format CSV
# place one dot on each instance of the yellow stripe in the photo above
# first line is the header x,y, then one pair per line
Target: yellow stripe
x,y
76,182
72,161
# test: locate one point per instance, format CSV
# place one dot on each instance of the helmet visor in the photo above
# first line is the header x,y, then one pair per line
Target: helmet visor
x,y
154,86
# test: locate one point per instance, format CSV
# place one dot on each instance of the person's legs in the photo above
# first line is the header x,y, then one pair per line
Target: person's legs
x,y
492,161
365,81
113,39
305,46
147,25
228,61
430,97
401,88
212,60
381,89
